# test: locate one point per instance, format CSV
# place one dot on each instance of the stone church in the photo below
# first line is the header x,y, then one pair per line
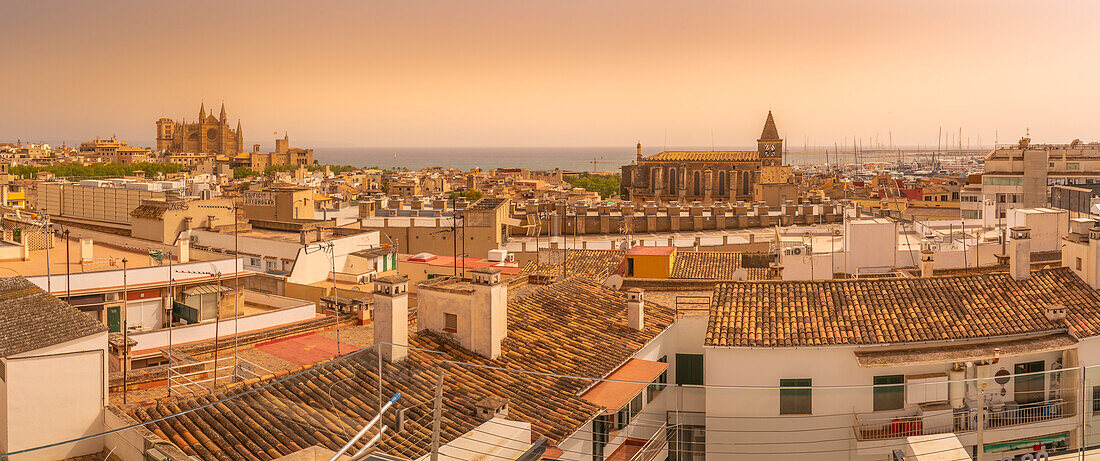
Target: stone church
x,y
208,135
703,176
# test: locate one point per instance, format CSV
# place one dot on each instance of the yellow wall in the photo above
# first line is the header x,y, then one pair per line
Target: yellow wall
x,y
652,266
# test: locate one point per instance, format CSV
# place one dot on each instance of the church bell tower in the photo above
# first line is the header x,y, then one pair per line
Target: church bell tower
x,y
770,145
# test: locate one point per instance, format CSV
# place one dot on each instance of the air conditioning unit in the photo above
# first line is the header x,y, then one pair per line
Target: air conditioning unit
x,y
510,258
794,251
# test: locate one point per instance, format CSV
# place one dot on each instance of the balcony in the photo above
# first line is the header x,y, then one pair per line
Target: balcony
x,y
942,419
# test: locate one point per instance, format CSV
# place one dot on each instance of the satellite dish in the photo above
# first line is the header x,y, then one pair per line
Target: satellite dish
x,y
741,274
614,282
1001,377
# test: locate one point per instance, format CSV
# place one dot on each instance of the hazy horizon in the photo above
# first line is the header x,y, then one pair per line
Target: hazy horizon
x,y
345,74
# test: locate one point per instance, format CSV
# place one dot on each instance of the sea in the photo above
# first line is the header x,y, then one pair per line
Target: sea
x,y
607,158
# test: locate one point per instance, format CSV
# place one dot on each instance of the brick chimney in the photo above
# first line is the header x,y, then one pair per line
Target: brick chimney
x,y
1019,251
926,259
635,308
490,311
391,316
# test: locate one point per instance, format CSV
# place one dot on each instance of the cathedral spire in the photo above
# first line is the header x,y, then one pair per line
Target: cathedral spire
x,y
222,118
202,113
770,132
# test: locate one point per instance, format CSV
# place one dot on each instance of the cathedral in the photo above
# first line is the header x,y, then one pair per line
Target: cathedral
x,y
703,176
208,135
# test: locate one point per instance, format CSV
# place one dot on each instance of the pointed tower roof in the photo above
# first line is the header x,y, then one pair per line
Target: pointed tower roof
x,y
770,132
202,112
222,118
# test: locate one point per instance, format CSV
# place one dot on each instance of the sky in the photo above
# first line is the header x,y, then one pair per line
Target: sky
x,y
553,73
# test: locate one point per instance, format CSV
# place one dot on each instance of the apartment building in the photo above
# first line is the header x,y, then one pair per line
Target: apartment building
x,y
1020,175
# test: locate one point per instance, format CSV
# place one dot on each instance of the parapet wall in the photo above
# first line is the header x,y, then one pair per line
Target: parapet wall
x,y
561,218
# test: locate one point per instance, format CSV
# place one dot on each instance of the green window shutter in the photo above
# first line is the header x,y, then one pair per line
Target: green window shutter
x,y
689,369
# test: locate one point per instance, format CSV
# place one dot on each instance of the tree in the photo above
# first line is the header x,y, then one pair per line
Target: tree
x,y
244,172
606,185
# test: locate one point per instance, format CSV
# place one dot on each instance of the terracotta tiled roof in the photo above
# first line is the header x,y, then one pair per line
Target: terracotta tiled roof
x,y
720,265
32,319
880,311
592,264
575,327
705,156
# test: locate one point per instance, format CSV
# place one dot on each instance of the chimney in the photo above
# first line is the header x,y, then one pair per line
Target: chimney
x,y
391,316
1091,258
187,223
490,311
635,309
1055,312
491,407
184,250
926,259
1019,263
86,247
776,270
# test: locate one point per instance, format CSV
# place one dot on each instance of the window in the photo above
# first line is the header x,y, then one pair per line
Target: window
x,y
1095,399
1002,181
1078,263
450,323
889,392
795,397
601,427
1031,387
254,262
271,265
629,267
1073,166
658,384
689,369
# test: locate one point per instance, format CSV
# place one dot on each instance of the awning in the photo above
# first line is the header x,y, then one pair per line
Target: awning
x,y
615,394
206,289
965,352
510,222
1025,443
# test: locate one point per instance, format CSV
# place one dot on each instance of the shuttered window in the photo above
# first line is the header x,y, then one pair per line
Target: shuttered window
x,y
450,323
689,369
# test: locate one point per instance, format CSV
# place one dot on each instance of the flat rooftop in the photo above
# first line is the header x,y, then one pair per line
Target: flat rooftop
x,y
106,257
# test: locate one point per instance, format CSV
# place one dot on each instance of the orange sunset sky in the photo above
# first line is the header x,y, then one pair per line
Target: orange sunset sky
x,y
553,73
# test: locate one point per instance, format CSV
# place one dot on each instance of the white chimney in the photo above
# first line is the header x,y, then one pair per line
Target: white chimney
x,y
1019,251
86,247
184,250
490,311
635,308
927,260
391,316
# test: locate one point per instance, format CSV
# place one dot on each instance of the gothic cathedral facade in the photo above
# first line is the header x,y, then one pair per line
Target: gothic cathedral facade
x,y
209,135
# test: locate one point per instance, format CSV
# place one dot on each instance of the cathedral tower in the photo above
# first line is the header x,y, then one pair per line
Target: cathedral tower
x,y
770,145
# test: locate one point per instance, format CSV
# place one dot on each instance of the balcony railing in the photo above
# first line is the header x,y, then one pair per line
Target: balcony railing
x,y
875,427
654,447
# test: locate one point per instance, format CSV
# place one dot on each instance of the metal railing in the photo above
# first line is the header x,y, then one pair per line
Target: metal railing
x,y
654,447
871,427
195,377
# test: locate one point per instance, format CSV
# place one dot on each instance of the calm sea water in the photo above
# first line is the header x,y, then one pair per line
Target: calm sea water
x,y
532,158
